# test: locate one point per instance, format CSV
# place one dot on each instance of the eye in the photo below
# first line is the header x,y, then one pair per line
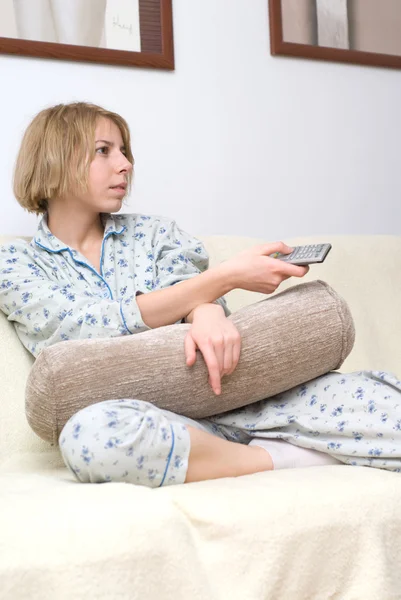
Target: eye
x,y
102,150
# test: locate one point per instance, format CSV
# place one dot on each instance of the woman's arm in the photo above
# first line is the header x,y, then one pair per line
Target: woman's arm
x,y
179,257
169,305
182,259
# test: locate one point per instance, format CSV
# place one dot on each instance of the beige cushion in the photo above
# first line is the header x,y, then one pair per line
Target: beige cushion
x,y
287,339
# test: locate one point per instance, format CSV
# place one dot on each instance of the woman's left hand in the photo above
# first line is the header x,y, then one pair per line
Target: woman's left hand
x,y
218,340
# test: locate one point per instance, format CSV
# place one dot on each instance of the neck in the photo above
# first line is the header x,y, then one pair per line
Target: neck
x,y
78,229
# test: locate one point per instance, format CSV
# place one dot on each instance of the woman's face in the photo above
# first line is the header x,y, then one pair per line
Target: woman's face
x,y
108,172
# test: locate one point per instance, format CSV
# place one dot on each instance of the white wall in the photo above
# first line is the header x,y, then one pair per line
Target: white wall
x,y
234,141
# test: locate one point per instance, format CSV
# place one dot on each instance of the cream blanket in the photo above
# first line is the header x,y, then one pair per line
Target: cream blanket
x,y
317,533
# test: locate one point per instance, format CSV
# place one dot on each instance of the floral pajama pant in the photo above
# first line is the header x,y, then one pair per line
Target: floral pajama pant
x,y
354,417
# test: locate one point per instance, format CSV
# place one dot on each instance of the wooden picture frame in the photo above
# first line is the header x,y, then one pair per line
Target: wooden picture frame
x,y
156,42
279,10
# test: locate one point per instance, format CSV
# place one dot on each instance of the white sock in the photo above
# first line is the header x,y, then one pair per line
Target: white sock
x,y
287,456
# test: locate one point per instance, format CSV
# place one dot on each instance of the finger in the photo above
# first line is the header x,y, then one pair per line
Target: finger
x,y
219,350
228,359
268,249
301,271
190,350
289,270
236,355
213,368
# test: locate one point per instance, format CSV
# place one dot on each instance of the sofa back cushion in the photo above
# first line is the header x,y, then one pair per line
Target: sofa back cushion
x,y
16,437
15,364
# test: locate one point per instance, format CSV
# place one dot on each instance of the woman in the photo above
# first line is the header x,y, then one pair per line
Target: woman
x,y
88,274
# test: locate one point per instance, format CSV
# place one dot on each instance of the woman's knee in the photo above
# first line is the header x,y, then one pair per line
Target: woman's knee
x,y
125,440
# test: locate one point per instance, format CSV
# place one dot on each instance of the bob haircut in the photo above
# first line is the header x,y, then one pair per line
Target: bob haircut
x,y
57,150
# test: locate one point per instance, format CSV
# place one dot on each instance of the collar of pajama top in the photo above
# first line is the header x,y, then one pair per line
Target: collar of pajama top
x,y
45,240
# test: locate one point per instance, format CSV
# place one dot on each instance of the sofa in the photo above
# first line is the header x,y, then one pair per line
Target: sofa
x,y
321,532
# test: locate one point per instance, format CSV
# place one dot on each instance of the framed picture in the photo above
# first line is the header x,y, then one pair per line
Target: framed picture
x,y
119,32
365,32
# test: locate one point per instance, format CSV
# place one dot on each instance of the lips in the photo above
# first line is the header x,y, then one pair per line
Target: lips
x,y
119,186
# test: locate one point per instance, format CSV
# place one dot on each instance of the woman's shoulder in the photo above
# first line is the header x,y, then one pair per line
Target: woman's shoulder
x,y
15,252
11,245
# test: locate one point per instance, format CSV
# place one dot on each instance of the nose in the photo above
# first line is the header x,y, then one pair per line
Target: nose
x,y
123,165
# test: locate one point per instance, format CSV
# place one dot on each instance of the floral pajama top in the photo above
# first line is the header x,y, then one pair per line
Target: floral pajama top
x,y
52,293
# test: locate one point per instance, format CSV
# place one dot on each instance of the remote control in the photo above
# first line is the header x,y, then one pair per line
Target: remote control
x,y
305,255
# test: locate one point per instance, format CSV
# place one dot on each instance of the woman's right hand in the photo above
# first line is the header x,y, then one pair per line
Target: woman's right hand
x,y
256,271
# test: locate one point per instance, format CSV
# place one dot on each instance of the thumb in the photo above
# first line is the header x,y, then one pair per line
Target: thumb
x,y
268,249
190,350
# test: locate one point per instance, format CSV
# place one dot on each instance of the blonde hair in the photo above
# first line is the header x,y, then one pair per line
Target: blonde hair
x,y
56,152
